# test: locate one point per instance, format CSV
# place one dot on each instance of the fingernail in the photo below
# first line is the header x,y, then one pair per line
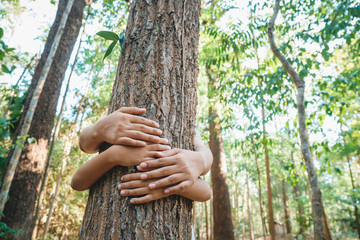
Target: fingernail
x,y
152,185
143,176
132,200
122,178
119,187
166,191
156,124
159,132
143,165
122,192
166,140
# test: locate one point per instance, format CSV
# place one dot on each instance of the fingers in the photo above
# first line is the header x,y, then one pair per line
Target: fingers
x,y
178,188
160,162
145,199
167,181
144,121
130,142
132,110
135,192
158,147
168,153
146,129
153,195
132,184
158,173
131,177
143,136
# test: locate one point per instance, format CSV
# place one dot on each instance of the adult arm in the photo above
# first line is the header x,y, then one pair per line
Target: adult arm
x,y
121,127
96,167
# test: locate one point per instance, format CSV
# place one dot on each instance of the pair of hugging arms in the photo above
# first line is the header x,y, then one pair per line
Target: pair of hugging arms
x,y
162,171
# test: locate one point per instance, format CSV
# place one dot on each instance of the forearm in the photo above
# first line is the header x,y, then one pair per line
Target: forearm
x,y
89,140
91,171
205,154
199,191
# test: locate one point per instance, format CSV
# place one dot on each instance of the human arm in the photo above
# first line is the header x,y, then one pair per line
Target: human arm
x,y
121,127
199,191
96,167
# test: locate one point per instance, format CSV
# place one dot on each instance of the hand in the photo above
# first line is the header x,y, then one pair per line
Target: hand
x,y
122,127
138,188
177,169
132,156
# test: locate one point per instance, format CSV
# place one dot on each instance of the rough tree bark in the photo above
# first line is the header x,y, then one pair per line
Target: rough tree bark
x,y
157,70
316,201
223,226
19,209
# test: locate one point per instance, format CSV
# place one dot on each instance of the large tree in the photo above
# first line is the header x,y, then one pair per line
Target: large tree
x,y
25,185
157,70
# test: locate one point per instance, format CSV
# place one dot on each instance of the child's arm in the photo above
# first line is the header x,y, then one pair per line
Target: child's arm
x,y
199,191
175,169
95,168
120,127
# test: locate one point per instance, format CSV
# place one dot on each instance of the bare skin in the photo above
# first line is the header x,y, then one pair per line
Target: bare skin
x,y
165,171
121,127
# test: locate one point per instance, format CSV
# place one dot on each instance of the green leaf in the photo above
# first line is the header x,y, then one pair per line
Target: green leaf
x,y
109,50
108,35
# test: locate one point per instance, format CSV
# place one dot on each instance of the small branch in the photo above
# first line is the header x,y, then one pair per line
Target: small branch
x,y
294,75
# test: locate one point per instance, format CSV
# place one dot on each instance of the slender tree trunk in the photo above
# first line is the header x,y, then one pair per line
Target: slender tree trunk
x,y
356,211
259,188
223,226
268,181
54,138
206,221
19,209
316,201
157,70
248,202
286,208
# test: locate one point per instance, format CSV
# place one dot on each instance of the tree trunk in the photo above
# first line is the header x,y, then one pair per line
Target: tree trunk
x,y
268,181
157,70
300,218
249,211
286,208
19,209
316,200
223,226
259,188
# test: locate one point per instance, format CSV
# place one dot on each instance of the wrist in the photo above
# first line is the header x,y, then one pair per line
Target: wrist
x,y
111,157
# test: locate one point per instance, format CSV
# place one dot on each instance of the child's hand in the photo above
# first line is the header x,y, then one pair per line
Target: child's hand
x,y
132,156
176,170
140,188
122,127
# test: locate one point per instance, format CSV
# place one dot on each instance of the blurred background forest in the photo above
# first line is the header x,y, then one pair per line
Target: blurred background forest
x,y
254,98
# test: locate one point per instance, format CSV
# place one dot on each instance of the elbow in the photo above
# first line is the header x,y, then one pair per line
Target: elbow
x,y
75,185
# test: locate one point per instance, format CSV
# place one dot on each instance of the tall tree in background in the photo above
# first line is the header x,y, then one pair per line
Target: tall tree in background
x,y
316,201
157,70
223,226
19,209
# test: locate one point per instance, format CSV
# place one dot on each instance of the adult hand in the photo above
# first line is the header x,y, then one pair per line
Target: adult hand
x,y
124,127
140,188
132,156
175,170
